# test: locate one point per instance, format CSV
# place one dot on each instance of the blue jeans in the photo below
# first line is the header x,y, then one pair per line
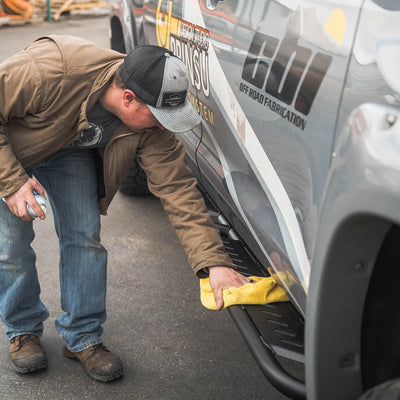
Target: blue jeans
x,y
69,178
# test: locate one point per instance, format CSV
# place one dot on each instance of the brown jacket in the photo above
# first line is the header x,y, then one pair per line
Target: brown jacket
x,y
45,92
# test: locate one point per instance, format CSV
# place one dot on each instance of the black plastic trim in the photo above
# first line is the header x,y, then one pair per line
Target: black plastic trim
x,y
264,356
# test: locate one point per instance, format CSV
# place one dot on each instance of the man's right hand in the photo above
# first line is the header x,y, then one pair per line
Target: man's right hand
x,y
24,195
223,278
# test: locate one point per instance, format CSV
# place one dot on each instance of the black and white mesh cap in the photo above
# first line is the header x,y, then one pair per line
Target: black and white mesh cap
x,y
161,80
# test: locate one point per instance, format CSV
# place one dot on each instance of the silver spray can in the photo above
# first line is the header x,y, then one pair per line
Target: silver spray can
x,y
42,203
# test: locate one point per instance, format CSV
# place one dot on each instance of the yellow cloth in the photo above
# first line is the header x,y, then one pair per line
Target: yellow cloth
x,y
262,291
286,277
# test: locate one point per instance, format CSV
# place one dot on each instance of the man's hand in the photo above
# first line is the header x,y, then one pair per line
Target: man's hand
x,y
223,278
24,195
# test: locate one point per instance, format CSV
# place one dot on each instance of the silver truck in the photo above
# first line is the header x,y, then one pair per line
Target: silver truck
x,y
298,158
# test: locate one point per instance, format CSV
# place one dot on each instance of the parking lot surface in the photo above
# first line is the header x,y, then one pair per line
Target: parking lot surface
x,y
171,347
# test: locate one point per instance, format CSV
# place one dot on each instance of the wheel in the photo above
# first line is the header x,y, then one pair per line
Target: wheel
x,y
135,183
117,36
389,390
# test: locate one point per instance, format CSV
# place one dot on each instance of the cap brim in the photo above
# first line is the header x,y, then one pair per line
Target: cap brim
x,y
177,120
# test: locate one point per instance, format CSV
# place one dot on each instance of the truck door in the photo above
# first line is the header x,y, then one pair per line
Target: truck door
x,y
267,78
277,71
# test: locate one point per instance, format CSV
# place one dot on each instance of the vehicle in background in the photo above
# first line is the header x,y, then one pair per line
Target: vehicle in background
x,y
298,157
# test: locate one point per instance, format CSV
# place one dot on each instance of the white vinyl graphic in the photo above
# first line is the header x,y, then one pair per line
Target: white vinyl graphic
x,y
257,158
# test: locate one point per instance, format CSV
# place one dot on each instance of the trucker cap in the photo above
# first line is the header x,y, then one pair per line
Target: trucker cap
x,y
161,80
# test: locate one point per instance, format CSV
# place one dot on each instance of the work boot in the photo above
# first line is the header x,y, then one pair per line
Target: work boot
x,y
26,354
98,362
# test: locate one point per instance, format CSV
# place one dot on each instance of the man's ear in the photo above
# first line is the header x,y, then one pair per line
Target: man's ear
x,y
128,96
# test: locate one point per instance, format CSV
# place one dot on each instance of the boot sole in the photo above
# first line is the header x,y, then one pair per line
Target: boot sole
x,y
101,378
31,368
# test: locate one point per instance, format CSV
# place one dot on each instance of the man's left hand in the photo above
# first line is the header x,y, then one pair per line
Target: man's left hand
x,y
223,278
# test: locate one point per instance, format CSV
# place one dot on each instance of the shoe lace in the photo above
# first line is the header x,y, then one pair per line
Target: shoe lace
x,y
27,338
22,339
96,347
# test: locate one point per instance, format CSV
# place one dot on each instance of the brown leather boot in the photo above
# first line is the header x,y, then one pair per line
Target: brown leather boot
x,y
98,362
26,354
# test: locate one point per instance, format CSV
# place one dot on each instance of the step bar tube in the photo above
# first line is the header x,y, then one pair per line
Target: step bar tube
x,y
265,357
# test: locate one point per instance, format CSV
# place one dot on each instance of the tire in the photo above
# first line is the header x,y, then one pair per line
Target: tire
x,y
389,390
117,37
135,183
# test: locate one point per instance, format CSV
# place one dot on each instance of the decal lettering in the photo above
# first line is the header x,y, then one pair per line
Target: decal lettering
x,y
202,109
188,42
284,71
272,105
255,68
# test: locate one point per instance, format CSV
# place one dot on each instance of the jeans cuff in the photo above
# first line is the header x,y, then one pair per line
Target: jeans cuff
x,y
86,345
15,334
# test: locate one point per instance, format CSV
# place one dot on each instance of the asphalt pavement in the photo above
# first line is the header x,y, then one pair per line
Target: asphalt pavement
x,y
171,347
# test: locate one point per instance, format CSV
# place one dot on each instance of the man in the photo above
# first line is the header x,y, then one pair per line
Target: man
x,y
73,115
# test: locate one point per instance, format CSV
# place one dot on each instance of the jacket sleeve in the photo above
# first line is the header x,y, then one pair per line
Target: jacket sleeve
x,y
162,157
20,94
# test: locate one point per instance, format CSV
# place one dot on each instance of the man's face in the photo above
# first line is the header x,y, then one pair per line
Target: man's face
x,y
137,115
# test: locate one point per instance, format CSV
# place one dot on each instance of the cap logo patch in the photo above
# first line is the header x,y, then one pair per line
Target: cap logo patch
x,y
173,99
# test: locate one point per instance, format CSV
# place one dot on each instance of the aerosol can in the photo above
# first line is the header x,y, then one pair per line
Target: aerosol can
x,y
41,201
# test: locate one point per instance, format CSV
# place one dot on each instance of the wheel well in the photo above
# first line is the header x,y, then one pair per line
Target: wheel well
x,y
381,318
117,36
336,303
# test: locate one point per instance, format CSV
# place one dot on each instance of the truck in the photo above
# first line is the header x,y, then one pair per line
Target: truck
x,y
298,159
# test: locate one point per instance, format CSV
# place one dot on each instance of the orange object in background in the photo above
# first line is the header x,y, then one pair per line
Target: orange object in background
x,y
16,9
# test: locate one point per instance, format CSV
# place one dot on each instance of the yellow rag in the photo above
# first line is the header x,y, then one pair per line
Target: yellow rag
x,y
262,291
